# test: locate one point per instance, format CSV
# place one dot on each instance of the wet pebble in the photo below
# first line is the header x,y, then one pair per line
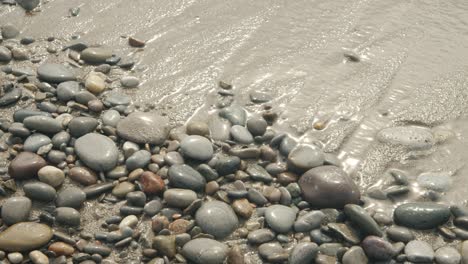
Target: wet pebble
x,y
95,55
55,73
9,31
82,175
179,198
122,189
102,250
111,118
142,127
151,183
15,210
355,255
51,175
419,251
260,236
196,147
25,236
28,5
153,207
309,221
205,251
363,220
36,141
216,218
399,234
67,216
413,137
129,81
184,176
257,126
280,218
272,252
39,191
258,173
37,257
82,125
437,181
43,124
235,114
421,215
26,165
305,157
66,91
70,197
447,255
5,54
378,249
304,252
241,135
97,151
197,128
11,97
95,84
61,249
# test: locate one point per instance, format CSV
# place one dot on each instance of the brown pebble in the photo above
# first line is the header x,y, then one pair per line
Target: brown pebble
x,y
61,249
26,165
286,178
267,153
235,256
151,183
179,226
135,174
243,208
95,106
211,187
137,43
83,175
159,223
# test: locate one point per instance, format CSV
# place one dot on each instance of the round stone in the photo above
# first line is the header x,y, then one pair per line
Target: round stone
x,y
121,189
139,159
25,236
70,197
419,251
198,128
43,124
205,251
304,252
447,255
36,141
55,73
67,216
241,135
51,175
15,210
39,191
129,82
399,234
196,147
328,187
111,118
97,151
305,157
95,84
355,255
309,221
216,218
25,166
378,249
280,218
140,127
61,249
421,215
82,125
412,137
219,128
151,183
82,175
257,126
9,31
185,177
179,198
95,55
66,91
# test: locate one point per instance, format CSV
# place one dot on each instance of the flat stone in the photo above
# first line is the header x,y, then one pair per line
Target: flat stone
x,y
205,251
378,249
196,147
11,97
421,215
55,73
309,221
82,175
241,135
304,252
197,128
216,218
399,234
272,252
179,198
66,91
305,157
97,151
95,55
139,159
97,189
219,128
362,220
184,176
116,99
43,124
102,250
140,127
328,187
280,218
257,126
25,166
419,251
235,114
154,206
5,54
344,231
39,191
447,255
51,175
437,181
260,236
21,114
16,209
129,82
36,141
67,216
412,137
82,125
121,189
355,255
258,173
111,118
25,236
70,197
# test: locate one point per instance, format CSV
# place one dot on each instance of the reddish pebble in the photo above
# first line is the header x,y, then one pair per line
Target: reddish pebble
x,y
151,183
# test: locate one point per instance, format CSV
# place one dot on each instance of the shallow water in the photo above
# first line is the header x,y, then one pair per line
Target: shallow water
x,y
412,71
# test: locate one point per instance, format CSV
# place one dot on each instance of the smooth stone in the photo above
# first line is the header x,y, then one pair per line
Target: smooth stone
x,y
39,191
61,249
66,91
70,197
447,255
305,157
205,251
129,221
241,134
378,249
304,252
464,252
61,139
219,128
129,81
15,257
82,175
22,114
196,147
55,73
419,251
173,158
116,99
280,218
355,255
51,175
140,127
154,206
309,221
111,118
185,177
136,198
412,137
5,54
129,148
258,173
235,114
84,97
328,187
37,257
97,151
95,84
345,231
43,124
11,97
257,126
360,218
9,31
399,234
260,236
25,236
179,198
227,164
256,197
97,189
243,208
216,218
28,5
67,216
287,145
18,129
421,215
95,55
117,172
25,166
15,210
166,245
97,249
36,141
151,183
197,128
121,189
82,125
271,251
437,181
139,159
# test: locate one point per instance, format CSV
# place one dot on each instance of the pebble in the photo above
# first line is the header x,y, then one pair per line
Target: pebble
x,y
35,141
241,135
116,99
257,126
309,221
25,236
97,151
22,114
11,97
82,125
272,252
258,173
166,245
153,207
137,43
25,166
399,234
61,249
142,127
97,249
219,128
70,197
216,218
5,54
180,198
15,210
447,255
129,82
67,216
122,189
95,55
139,159
196,147
111,118
184,176
260,236
43,124
39,191
51,175
15,257
28,5
66,91
129,221
235,114
94,83
421,215
412,137
151,183
243,208
55,73
205,251
9,31
280,218
37,257
419,251
360,218
304,252
464,251
328,187
355,255
82,175
377,249
305,157
197,128
437,181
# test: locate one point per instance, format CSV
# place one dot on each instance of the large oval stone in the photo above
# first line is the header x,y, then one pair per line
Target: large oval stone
x,y
328,187
216,218
422,215
412,137
140,127
205,251
55,73
26,165
97,151
196,147
25,236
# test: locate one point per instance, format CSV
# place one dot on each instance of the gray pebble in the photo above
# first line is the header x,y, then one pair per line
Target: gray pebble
x,y
447,255
139,159
399,234
219,128
258,173
309,221
28,5
235,114
305,157
304,252
39,191
205,251
257,126
362,220
5,54
55,73
142,127
35,141
179,198
97,151
260,236
111,118
355,255
82,125
421,215
173,158
9,31
217,218
184,176
154,206
437,181
378,249
280,218
129,81
70,197
419,251
413,137
43,124
15,210
196,147
66,91
95,55
241,134
61,139
11,97
67,216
